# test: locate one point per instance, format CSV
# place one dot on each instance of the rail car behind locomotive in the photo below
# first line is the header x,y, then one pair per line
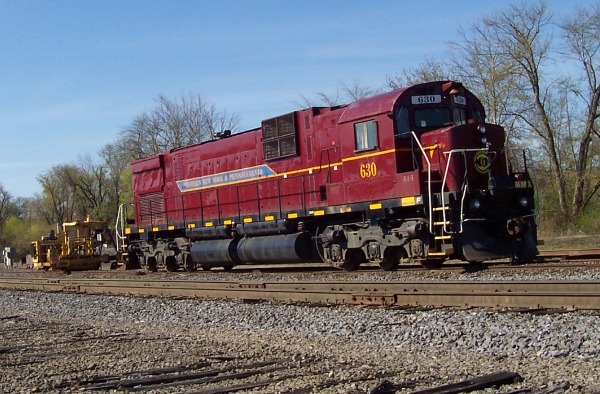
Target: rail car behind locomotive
x,y
78,246
414,174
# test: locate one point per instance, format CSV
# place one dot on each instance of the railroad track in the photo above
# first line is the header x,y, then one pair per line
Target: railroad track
x,y
571,254
566,295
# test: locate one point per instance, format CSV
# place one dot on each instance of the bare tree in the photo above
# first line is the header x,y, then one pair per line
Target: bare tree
x,y
581,32
428,71
5,205
173,124
57,201
491,77
508,59
344,93
118,186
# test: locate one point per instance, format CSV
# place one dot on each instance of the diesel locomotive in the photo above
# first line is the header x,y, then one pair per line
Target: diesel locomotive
x,y
411,175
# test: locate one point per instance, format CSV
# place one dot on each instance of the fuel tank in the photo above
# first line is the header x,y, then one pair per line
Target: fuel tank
x,y
277,249
214,253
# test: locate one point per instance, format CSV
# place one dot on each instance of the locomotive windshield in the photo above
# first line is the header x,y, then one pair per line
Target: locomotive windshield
x,y
437,117
432,117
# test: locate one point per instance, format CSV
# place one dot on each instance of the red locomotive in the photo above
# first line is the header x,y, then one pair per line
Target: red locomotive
x,y
414,174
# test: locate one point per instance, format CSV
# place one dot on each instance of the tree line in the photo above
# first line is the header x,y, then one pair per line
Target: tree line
x,y
536,74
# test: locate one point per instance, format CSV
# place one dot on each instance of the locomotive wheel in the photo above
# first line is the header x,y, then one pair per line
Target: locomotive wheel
x,y
132,262
391,258
189,265
354,257
171,264
228,267
206,267
151,264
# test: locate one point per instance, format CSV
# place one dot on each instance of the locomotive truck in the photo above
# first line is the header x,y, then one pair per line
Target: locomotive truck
x,y
411,175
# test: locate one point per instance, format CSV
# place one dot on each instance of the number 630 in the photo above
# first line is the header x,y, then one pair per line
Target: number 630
x,y
368,170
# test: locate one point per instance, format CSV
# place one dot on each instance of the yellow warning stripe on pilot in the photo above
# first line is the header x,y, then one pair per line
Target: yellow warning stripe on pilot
x,y
373,207
408,201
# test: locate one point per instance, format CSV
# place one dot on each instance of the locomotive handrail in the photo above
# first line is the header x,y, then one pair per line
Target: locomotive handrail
x,y
532,177
464,187
429,196
120,226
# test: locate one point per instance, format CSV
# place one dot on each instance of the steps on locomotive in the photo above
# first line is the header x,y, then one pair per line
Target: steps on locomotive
x,y
441,219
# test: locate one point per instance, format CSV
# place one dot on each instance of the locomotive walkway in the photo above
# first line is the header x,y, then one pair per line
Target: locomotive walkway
x,y
566,295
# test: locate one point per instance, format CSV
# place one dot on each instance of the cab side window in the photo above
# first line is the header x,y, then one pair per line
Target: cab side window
x,y
459,115
365,135
402,123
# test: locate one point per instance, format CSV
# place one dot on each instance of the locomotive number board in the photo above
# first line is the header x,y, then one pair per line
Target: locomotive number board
x,y
426,99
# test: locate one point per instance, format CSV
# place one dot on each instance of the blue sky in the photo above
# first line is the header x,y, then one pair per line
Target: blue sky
x,y
73,74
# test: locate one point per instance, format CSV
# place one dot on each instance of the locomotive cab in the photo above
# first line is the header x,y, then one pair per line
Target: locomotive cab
x,y
481,204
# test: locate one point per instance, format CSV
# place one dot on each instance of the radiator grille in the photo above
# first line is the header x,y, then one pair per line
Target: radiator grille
x,y
152,207
279,137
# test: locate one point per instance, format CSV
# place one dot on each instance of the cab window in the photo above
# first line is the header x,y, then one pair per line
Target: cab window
x,y
402,122
431,117
365,135
459,115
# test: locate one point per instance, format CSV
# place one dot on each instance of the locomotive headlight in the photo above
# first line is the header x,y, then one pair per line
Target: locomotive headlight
x,y
483,140
475,204
523,202
482,129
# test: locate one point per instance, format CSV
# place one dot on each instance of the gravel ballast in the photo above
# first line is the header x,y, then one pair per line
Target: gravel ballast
x,y
49,338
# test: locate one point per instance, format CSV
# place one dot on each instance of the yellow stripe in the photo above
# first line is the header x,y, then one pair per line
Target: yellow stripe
x,y
127,230
367,155
372,207
319,213
154,229
141,231
269,218
171,228
228,221
345,209
440,208
292,215
247,220
407,201
443,237
208,224
307,169
440,223
192,225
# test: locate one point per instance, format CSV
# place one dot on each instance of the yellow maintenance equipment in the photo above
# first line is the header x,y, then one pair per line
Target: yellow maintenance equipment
x,y
79,246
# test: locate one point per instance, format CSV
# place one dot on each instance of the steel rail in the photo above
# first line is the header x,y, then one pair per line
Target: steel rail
x,y
570,253
508,294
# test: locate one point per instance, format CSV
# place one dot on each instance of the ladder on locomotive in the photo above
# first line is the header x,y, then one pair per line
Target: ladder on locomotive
x,y
448,211
445,212
438,209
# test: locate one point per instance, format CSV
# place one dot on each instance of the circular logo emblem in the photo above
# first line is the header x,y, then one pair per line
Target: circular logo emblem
x,y
482,162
